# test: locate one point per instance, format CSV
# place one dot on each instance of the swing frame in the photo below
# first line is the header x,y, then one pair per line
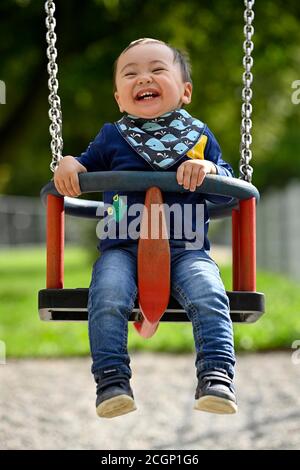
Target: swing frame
x,y
59,304
246,305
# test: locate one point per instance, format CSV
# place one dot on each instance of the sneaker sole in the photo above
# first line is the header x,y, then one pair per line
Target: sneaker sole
x,y
116,406
213,404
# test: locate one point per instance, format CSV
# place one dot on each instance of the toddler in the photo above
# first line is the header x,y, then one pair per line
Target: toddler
x,y
152,85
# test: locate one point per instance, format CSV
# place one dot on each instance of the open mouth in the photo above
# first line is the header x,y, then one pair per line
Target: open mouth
x,y
147,96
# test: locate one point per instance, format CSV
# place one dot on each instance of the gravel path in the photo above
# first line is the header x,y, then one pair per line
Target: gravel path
x,y
49,404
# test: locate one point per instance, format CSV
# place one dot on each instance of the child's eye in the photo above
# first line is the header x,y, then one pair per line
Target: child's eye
x,y
158,70
128,74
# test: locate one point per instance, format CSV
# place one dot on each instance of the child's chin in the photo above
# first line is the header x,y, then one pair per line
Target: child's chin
x,y
149,111
149,115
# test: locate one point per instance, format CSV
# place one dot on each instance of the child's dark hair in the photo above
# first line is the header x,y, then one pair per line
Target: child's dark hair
x,y
180,57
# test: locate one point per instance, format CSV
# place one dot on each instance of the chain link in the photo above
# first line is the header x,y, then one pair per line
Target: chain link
x,y
246,170
55,114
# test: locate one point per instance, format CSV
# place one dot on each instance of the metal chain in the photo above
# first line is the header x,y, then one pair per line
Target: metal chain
x,y
246,170
55,113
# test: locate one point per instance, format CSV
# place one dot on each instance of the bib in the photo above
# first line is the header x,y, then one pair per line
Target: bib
x,y
163,140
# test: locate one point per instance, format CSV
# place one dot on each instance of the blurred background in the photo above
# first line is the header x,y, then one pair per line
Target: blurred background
x,y
91,35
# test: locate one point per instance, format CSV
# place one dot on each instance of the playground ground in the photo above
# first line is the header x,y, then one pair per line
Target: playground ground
x,y
49,404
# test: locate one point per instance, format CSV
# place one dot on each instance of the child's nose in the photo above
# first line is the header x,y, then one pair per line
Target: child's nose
x,y
144,79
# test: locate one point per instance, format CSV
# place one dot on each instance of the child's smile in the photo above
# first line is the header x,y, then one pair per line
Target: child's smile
x,y
147,95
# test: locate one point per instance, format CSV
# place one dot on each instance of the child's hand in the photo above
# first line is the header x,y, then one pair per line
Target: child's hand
x,y
192,173
66,176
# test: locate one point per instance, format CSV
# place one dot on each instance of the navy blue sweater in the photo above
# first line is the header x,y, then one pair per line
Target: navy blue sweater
x,y
110,152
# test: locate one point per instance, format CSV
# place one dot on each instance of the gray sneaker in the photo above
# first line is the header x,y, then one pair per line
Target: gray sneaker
x,y
215,393
114,394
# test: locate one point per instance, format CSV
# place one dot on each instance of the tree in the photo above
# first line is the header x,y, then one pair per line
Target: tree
x,y
91,35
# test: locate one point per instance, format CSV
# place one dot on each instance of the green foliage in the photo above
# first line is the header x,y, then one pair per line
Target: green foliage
x,y
22,275
91,35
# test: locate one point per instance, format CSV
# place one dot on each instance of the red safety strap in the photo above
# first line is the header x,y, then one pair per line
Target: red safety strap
x,y
154,264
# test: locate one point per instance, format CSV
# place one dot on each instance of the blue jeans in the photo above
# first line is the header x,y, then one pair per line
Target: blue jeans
x,y
196,284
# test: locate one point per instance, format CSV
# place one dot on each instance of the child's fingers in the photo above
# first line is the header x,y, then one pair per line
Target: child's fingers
x,y
75,184
201,176
187,176
194,178
69,186
190,176
179,174
58,188
63,187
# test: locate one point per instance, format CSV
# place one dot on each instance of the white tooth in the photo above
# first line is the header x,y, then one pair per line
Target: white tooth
x,y
146,93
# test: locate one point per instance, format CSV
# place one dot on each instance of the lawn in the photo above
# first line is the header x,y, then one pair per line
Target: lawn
x,y
22,274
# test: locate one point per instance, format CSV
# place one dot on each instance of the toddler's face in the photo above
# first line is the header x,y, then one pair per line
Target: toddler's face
x,y
150,68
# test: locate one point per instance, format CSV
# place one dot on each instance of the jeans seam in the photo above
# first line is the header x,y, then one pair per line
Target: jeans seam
x,y
196,324
128,311
131,304
90,300
188,302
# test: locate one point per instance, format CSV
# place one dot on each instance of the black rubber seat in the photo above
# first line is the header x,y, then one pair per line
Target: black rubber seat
x,y
71,305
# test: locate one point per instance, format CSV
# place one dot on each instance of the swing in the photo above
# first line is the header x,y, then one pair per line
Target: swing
x,y
154,303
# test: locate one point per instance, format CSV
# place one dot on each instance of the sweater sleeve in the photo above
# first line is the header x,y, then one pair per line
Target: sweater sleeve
x,y
212,152
96,156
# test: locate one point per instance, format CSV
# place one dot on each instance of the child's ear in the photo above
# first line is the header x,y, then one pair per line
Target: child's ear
x,y
187,94
117,98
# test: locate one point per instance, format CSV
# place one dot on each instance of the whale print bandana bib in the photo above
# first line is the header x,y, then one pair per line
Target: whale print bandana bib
x,y
161,141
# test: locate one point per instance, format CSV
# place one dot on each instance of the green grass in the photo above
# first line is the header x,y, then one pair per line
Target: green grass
x,y
22,274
